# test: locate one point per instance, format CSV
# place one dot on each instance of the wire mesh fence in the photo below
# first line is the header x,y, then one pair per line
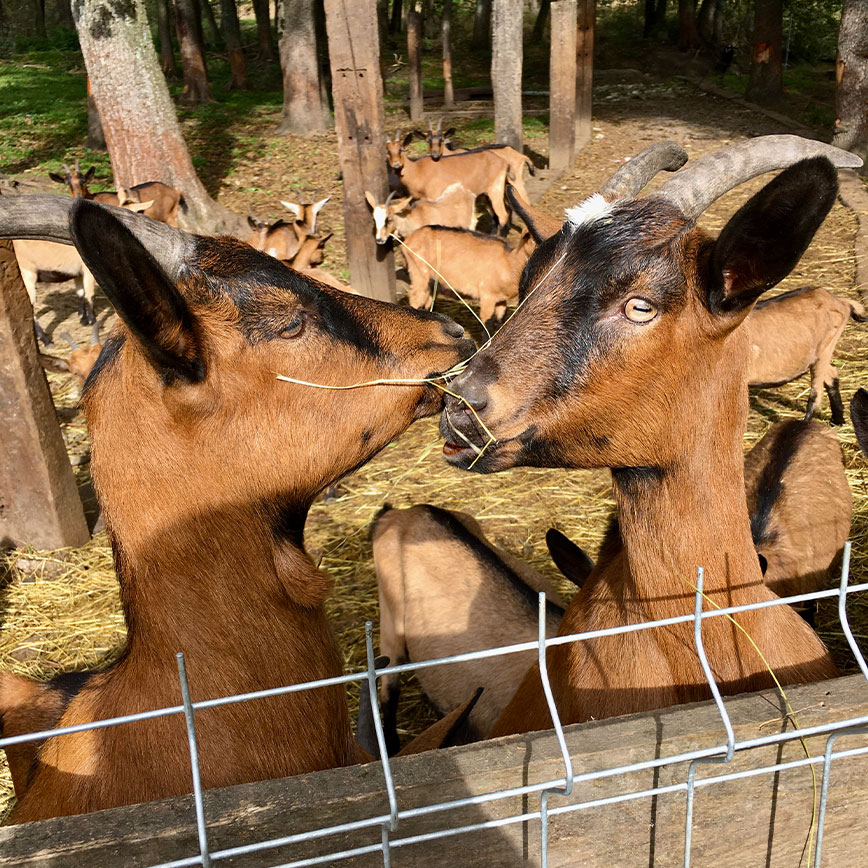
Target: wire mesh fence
x,y
561,786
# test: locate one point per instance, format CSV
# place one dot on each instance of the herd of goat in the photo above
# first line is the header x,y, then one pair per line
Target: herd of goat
x,y
631,349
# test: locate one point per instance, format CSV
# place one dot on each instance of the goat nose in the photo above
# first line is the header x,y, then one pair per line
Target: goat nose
x,y
452,328
471,391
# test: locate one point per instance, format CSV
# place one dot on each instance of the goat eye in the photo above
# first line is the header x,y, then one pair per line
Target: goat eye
x,y
640,310
294,327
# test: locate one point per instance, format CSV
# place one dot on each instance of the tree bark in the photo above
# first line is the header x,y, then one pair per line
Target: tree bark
x,y
562,85
706,19
304,110
506,63
141,128
688,35
95,136
263,29
397,13
587,15
482,24
64,12
766,82
446,39
214,37
196,87
661,13
39,18
164,32
851,73
232,31
414,63
650,18
542,18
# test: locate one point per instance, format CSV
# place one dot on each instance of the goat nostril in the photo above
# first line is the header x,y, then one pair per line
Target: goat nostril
x,y
453,329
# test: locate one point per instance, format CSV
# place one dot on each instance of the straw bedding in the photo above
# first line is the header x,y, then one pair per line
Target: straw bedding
x,y
61,611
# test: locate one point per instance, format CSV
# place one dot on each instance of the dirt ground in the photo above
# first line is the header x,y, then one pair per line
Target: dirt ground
x,y
60,610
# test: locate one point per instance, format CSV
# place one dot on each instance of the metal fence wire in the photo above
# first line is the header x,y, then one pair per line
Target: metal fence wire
x,y
390,823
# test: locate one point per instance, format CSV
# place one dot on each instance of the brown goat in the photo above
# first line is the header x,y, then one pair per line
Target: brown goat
x,y
306,212
797,332
310,256
205,465
477,266
280,239
859,417
163,201
626,353
81,359
481,173
402,216
488,600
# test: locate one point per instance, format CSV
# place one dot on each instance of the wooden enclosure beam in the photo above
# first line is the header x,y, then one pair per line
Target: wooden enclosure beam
x,y
506,61
39,502
357,87
761,820
414,63
587,14
562,85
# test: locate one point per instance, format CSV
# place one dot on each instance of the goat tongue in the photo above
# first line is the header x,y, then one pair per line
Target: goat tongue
x,y
452,448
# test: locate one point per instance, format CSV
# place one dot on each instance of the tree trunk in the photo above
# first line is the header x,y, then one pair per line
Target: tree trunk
x,y
446,38
688,35
766,82
95,136
397,13
650,18
164,31
506,60
304,110
851,93
382,19
587,14
263,29
706,19
232,31
196,87
141,128
481,24
542,18
214,38
661,14
39,17
64,13
562,85
414,63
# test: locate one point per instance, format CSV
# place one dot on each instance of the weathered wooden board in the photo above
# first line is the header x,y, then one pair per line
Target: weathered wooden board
x,y
562,85
584,70
39,502
757,821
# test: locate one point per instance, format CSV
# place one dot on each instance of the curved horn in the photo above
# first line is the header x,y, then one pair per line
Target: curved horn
x,y
637,172
94,333
694,188
439,125
68,338
76,167
44,217
430,127
389,199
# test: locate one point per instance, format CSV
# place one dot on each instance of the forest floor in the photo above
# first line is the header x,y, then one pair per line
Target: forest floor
x,y
60,610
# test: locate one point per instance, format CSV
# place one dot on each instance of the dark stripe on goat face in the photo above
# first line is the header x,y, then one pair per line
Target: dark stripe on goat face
x,y
110,350
267,295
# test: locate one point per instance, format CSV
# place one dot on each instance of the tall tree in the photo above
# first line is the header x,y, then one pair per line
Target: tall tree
x,y
414,62
138,117
688,35
446,39
397,14
587,16
164,32
95,135
562,85
263,29
232,33
305,104
188,26
542,18
851,93
766,81
481,24
210,21
506,62
39,17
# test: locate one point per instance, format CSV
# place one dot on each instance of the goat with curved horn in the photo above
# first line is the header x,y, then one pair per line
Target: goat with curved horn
x,y
46,217
694,188
638,171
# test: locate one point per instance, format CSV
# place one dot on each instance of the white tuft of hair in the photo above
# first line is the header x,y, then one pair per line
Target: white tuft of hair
x,y
593,208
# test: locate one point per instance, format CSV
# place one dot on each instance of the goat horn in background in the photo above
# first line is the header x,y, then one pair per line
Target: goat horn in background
x,y
635,174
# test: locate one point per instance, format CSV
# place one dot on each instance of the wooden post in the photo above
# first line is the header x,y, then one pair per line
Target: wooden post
x,y
414,62
39,502
506,61
584,70
354,54
446,38
562,85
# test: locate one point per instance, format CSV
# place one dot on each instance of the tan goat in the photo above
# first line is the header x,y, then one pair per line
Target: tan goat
x,y
306,212
280,239
481,173
403,216
797,332
477,266
310,256
81,359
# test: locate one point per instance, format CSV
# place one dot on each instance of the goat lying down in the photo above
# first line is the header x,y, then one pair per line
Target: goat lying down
x,y
797,332
445,589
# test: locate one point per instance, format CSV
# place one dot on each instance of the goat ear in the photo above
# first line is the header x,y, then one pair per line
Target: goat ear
x,y
142,294
767,236
322,241
400,204
89,174
859,415
278,223
370,199
449,133
540,225
252,222
568,557
407,139
55,177
418,134
293,207
318,206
